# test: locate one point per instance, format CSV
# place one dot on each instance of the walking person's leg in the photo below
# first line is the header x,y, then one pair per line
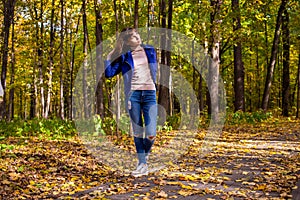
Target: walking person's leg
x,y
150,117
135,111
143,103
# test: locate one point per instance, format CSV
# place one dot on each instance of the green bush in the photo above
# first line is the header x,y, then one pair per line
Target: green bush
x,y
247,117
51,128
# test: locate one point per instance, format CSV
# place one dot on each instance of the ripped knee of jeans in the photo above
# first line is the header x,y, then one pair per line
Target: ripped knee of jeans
x,y
151,137
138,135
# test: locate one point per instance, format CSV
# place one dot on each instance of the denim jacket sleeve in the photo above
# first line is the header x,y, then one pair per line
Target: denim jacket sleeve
x,y
113,68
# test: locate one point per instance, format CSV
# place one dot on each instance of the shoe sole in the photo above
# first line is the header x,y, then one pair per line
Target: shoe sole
x,y
140,174
149,171
154,169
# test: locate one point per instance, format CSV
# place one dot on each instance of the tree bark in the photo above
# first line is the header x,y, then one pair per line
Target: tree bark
x,y
118,88
12,74
99,63
213,79
8,12
168,53
116,16
40,44
271,65
150,13
163,95
51,61
84,69
136,13
61,47
258,87
286,64
72,61
298,89
239,75
33,92
39,27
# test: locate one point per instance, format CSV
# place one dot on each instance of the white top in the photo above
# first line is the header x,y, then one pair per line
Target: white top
x,y
141,77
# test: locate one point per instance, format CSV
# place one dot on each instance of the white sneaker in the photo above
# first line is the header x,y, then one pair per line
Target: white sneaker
x,y
146,157
141,170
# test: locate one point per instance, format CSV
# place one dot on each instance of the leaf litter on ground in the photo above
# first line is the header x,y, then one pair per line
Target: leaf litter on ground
x,y
249,161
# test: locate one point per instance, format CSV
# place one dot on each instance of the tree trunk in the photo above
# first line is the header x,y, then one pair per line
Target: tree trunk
x,y
118,88
239,75
12,75
168,53
99,63
37,63
116,16
40,44
51,58
61,47
136,13
33,91
266,39
163,95
84,69
271,65
203,91
150,13
258,87
8,11
67,68
213,79
195,73
298,89
286,64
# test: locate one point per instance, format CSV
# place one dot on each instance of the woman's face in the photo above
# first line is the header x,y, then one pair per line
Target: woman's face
x,y
134,40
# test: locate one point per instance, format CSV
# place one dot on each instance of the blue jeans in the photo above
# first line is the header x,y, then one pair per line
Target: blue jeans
x,y
142,109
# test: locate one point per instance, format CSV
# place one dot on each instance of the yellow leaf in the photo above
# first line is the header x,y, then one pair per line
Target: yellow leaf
x,y
295,187
193,184
261,187
183,193
13,176
21,197
186,187
245,173
173,183
269,173
248,183
5,182
162,194
225,178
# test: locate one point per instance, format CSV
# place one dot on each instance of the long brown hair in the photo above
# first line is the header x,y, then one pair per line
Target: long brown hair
x,y
120,46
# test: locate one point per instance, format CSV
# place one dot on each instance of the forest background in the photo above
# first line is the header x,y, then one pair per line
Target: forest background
x,y
255,46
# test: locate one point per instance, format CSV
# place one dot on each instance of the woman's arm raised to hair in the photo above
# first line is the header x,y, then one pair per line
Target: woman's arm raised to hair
x,y
112,67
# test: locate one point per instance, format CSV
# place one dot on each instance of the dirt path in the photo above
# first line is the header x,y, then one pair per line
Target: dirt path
x,y
246,163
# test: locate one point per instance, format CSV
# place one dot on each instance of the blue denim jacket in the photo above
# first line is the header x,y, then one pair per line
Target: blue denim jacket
x,y
125,65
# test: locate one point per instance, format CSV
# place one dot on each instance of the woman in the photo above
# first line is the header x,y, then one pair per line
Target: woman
x,y
138,65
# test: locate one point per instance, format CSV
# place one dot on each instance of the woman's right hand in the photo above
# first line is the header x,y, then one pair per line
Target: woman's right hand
x,y
109,55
